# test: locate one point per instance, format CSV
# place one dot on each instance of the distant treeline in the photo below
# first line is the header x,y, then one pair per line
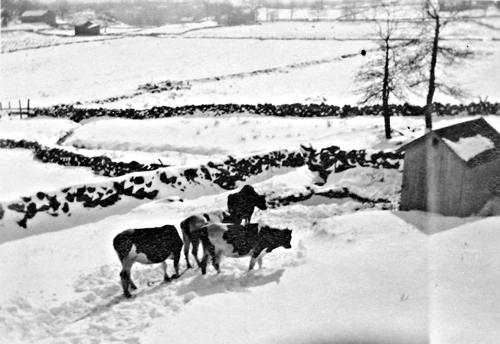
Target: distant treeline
x,y
292,110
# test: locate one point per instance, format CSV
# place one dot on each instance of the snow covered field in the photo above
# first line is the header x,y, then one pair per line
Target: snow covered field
x,y
223,68
362,277
355,273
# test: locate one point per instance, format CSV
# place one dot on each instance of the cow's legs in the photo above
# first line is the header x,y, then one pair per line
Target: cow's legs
x,y
196,245
203,263
256,257
216,261
187,243
125,277
165,275
259,261
252,263
177,257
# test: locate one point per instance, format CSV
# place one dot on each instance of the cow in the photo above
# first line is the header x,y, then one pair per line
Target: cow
x,y
190,231
221,239
147,246
240,205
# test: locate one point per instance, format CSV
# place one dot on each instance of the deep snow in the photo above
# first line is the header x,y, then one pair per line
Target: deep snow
x,y
354,274
277,63
351,276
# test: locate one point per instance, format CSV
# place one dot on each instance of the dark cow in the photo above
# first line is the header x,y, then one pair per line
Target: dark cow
x,y
147,246
236,241
190,231
240,205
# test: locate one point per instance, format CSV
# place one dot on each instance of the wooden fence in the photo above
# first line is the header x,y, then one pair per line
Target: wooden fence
x,y
17,110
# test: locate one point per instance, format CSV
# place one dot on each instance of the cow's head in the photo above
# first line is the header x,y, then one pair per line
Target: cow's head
x,y
275,237
260,202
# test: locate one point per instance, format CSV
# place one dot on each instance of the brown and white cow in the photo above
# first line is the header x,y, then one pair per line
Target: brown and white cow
x,y
190,231
147,246
220,239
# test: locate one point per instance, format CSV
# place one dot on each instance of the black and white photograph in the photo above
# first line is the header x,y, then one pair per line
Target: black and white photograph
x,y
250,171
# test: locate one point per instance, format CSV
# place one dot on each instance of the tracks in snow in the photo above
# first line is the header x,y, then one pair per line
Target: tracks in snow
x,y
99,312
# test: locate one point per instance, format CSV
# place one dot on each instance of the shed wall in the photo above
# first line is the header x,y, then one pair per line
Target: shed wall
x,y
87,31
478,187
432,178
414,188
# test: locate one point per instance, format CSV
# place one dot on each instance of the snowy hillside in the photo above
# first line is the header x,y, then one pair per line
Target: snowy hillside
x,y
359,270
352,275
275,62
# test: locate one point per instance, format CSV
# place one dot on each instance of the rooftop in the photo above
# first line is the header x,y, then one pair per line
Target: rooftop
x,y
475,142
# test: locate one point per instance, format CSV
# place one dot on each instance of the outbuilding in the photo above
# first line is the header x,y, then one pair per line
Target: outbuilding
x,y
452,171
187,20
39,16
86,27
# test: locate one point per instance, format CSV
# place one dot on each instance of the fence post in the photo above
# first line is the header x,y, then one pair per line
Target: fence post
x,y
29,108
20,109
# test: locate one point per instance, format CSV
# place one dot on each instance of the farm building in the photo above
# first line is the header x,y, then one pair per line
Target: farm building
x,y
185,20
86,27
39,16
452,171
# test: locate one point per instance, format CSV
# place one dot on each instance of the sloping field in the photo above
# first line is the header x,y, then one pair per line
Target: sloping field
x,y
100,70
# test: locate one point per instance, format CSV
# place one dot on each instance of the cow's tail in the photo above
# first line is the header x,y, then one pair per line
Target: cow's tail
x,y
185,228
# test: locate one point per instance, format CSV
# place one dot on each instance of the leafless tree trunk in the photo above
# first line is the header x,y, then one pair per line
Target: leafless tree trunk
x,y
429,53
382,76
293,7
433,13
385,90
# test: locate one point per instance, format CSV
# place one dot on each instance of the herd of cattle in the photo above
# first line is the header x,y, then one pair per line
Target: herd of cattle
x,y
221,233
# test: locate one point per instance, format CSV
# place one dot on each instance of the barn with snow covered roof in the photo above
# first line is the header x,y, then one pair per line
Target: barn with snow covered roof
x,y
39,16
452,171
85,27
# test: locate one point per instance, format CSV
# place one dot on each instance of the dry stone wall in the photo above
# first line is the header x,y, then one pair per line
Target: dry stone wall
x,y
295,110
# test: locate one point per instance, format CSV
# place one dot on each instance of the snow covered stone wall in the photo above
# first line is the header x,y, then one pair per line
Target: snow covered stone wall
x,y
295,110
334,160
123,193
127,190
101,165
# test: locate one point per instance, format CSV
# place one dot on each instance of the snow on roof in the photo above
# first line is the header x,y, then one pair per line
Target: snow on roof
x,y
34,13
476,142
469,147
81,21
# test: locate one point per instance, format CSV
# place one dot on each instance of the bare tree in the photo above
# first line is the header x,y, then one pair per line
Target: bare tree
x,y
6,17
254,6
430,54
292,6
318,8
385,74
63,8
350,9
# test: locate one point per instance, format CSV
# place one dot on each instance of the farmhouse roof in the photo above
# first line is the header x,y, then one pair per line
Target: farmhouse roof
x,y
34,13
475,142
82,22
